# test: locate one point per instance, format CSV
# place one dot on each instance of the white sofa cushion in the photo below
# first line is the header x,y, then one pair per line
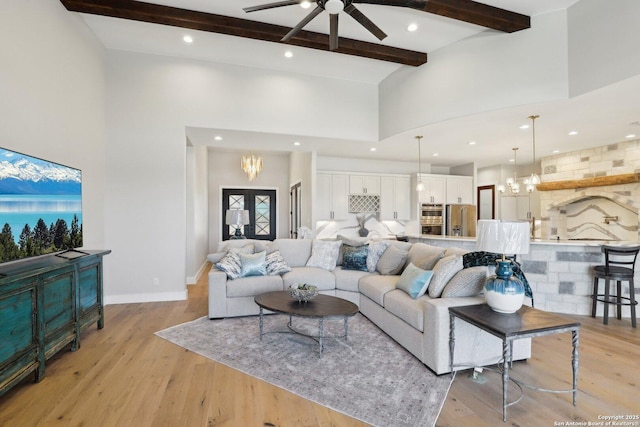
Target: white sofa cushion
x,y
253,285
406,308
375,287
324,254
392,261
467,282
375,251
295,252
323,279
347,280
424,256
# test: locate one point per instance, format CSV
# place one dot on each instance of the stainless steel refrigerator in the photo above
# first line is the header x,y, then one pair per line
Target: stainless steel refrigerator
x,y
461,220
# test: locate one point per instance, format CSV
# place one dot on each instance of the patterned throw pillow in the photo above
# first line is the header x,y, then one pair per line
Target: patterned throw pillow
x,y
276,264
230,264
414,281
253,264
354,257
376,249
443,271
467,282
324,254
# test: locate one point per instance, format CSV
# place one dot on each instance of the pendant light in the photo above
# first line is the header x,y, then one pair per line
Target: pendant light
x,y
534,179
419,185
512,182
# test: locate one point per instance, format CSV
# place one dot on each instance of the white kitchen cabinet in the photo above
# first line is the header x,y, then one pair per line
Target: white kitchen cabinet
x,y
395,198
332,196
434,189
459,190
364,184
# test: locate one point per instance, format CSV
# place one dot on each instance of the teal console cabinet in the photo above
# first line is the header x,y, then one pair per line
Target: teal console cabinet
x,y
45,303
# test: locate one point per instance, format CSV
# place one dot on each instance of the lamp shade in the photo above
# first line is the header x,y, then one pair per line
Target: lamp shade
x,y
503,237
237,217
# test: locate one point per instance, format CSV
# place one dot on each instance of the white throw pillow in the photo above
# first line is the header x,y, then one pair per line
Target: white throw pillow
x,y
443,271
324,254
376,249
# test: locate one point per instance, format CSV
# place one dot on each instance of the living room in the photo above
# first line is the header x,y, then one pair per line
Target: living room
x,y
124,118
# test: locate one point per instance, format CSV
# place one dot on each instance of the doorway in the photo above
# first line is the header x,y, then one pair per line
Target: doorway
x,y
295,204
261,205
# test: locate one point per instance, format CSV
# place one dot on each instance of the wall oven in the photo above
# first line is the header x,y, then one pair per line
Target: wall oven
x,y
432,219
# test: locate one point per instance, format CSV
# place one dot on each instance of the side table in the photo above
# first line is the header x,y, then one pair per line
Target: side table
x,y
525,323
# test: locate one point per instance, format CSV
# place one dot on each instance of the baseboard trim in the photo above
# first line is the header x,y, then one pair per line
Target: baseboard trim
x,y
192,280
151,297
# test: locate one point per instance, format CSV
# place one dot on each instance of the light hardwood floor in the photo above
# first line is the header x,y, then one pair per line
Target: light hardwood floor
x,y
123,375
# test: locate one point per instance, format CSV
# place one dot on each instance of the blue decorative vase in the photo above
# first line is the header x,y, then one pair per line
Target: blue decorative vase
x,y
503,292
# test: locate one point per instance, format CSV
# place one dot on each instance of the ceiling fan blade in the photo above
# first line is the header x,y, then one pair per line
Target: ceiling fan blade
x,y
364,21
295,30
271,5
333,31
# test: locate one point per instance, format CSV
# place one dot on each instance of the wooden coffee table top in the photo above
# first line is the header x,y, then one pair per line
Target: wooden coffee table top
x,y
320,306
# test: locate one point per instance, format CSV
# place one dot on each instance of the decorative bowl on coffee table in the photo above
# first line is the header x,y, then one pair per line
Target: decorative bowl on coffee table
x,y
303,292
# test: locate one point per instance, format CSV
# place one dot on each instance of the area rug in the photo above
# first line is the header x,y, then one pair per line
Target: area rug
x,y
368,376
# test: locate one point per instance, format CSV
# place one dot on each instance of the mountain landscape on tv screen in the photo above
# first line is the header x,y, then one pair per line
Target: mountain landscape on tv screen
x,y
40,206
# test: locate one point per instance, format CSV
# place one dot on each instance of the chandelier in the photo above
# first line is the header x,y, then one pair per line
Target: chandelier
x,y
420,185
251,165
512,182
534,179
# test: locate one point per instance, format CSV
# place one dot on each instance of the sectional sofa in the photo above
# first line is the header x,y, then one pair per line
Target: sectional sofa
x,y
421,324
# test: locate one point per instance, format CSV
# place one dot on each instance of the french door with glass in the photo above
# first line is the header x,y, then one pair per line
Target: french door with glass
x,y
261,205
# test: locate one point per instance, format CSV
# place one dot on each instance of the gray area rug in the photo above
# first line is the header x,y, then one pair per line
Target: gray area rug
x,y
368,377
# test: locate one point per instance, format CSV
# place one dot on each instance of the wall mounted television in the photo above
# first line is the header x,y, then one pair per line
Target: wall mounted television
x,y
40,207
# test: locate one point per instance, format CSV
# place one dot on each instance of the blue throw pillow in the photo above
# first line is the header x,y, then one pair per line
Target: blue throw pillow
x,y
414,281
354,257
253,264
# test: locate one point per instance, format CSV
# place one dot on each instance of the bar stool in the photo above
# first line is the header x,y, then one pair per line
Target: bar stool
x,y
619,266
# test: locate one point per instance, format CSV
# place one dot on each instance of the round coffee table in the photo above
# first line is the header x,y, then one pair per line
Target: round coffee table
x,y
320,307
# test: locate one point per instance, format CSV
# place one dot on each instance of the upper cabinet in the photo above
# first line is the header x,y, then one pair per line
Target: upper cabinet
x,y
395,198
364,184
459,190
332,196
434,189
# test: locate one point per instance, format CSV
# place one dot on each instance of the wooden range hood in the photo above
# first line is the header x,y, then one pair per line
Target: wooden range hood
x,y
598,181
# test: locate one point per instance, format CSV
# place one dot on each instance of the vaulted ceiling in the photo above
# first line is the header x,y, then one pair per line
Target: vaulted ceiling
x,y
462,10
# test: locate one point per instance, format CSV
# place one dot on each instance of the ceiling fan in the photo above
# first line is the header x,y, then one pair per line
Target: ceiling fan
x,y
334,7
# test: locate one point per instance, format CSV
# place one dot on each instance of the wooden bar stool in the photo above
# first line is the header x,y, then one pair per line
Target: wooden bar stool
x,y
619,266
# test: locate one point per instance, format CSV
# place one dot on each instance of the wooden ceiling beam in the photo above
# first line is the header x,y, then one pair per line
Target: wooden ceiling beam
x,y
176,17
465,10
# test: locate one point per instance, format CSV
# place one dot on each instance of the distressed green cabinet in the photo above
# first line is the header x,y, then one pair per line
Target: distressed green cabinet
x,y
45,303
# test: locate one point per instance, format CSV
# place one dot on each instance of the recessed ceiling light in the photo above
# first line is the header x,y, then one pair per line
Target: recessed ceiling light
x,y
555,151
631,135
296,143
217,138
511,160
472,143
288,54
187,39
372,149
573,132
435,154
412,27
305,4
524,127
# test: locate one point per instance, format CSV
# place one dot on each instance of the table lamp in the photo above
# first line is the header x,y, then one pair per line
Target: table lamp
x,y
504,292
237,218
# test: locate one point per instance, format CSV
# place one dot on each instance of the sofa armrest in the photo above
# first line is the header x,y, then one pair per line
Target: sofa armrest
x,y
217,293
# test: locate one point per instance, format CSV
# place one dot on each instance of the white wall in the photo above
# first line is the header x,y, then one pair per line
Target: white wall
x,y
151,99
603,43
197,212
339,164
225,172
302,168
52,96
485,72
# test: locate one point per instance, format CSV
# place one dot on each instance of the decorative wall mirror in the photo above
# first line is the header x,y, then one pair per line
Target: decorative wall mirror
x,y
486,202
